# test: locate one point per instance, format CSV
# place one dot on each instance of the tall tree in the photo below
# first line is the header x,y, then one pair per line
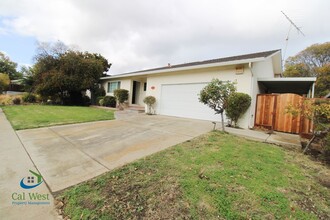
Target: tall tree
x,y
4,82
216,95
314,61
28,78
8,67
67,74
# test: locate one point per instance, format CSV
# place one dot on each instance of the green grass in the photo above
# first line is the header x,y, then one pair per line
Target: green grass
x,y
215,176
34,116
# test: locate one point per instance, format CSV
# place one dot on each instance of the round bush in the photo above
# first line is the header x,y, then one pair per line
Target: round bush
x,y
109,101
98,99
29,98
101,102
121,95
238,104
149,100
17,101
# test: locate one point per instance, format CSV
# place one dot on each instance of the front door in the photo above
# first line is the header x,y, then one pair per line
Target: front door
x,y
136,92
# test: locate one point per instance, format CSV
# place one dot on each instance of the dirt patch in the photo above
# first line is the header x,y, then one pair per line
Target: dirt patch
x,y
308,205
154,200
139,195
324,180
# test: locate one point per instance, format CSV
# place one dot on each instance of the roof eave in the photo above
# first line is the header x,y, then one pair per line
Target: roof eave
x,y
288,79
174,69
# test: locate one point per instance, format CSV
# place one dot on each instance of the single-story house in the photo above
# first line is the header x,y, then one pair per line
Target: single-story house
x,y
176,87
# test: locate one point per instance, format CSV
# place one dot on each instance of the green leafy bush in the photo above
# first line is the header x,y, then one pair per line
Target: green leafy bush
x,y
237,105
109,101
98,99
149,101
121,95
97,92
101,102
17,101
29,98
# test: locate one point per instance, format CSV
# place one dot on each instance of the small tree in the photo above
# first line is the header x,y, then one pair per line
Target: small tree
x,y
317,110
121,96
149,101
215,95
4,82
238,104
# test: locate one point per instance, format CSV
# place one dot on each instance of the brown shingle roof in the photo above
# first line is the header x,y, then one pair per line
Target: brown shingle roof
x,y
218,60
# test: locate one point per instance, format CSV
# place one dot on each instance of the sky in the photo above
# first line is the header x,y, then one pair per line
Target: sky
x,y
142,34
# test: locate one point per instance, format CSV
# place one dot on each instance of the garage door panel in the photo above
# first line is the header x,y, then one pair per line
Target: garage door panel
x,y
181,100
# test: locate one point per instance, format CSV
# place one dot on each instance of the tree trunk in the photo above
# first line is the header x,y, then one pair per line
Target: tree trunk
x,y
222,122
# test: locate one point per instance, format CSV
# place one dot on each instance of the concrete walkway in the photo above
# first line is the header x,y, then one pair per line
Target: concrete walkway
x,y
285,139
15,164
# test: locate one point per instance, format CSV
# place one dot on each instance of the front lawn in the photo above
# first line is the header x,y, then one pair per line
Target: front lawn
x,y
214,176
34,116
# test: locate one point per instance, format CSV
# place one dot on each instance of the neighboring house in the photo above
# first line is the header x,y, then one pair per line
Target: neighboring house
x,y
176,87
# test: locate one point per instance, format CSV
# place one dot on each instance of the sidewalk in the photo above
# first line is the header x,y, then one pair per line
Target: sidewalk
x,y
16,202
288,140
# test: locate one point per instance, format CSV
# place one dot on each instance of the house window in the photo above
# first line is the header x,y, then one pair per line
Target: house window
x,y
112,86
145,86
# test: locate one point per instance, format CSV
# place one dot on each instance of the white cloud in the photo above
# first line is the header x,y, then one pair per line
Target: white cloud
x,y
150,33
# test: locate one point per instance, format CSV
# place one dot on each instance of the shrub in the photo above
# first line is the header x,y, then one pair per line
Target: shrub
x,y
101,102
86,101
98,99
4,82
6,100
29,98
109,101
149,101
237,105
99,91
121,95
17,101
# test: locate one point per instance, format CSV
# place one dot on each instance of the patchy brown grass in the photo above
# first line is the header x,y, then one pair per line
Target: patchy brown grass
x,y
215,176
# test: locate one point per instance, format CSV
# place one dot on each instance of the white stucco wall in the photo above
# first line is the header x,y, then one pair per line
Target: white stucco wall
x,y
261,69
200,76
246,82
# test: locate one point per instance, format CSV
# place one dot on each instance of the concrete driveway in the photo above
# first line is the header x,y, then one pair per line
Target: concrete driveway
x,y
70,154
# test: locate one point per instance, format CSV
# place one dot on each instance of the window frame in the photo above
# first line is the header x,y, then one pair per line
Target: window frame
x,y
110,89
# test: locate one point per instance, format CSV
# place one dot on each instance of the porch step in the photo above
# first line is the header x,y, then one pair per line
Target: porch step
x,y
138,109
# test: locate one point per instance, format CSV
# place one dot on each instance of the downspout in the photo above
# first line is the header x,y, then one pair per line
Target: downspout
x,y
251,93
313,88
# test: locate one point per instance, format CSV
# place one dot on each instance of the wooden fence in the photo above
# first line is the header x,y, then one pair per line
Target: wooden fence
x,y
271,113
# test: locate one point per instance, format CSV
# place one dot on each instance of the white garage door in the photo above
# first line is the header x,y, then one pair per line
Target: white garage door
x,y
181,100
